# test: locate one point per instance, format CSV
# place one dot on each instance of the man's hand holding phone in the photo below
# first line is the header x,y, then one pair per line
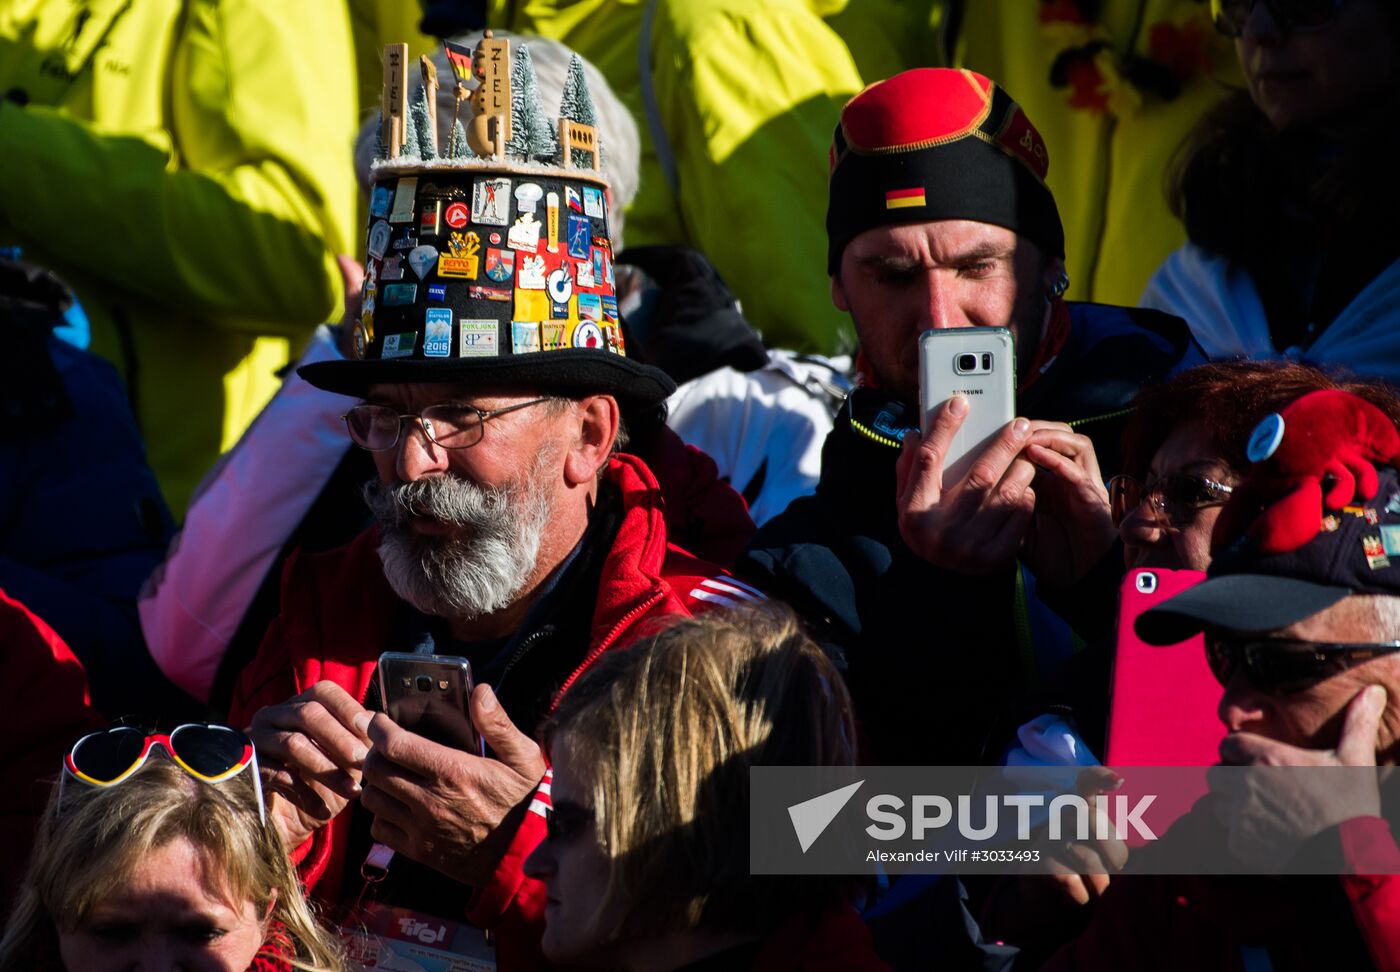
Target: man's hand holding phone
x,y
311,749
451,810
975,525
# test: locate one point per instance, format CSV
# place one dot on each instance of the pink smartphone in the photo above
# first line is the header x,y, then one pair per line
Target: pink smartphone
x,y
1162,710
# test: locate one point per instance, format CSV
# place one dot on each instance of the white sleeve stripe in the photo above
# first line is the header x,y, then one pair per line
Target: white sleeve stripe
x,y
539,807
718,585
736,582
700,594
542,788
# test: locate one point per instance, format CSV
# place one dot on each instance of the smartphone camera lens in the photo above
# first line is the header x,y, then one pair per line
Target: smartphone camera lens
x,y
424,683
966,364
1146,582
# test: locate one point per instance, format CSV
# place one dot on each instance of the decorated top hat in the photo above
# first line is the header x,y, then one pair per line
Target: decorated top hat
x,y
490,264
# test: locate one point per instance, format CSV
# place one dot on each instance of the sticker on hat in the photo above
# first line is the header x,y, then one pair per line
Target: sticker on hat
x,y
399,345
559,285
1374,549
553,336
590,307
461,259
437,292
421,259
400,295
525,336
593,202
1266,438
583,274
478,339
573,199
531,275
430,219
457,215
1390,540
587,335
379,236
491,202
406,241
525,234
551,212
500,264
527,196
380,200
404,196
579,237
358,340
392,268
488,293
437,332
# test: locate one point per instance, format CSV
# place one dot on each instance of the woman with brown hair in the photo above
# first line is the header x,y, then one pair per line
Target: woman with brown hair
x,y
1289,195
646,865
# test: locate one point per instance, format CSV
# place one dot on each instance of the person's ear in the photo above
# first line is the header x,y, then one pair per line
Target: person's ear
x,y
271,906
838,293
598,419
1055,279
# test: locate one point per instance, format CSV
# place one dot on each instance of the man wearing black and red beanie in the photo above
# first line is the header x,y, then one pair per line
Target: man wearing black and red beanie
x,y
939,217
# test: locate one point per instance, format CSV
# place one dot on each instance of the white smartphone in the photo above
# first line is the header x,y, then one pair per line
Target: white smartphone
x,y
978,363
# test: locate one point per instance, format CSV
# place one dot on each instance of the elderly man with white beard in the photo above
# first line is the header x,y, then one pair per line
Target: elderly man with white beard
x,y
509,529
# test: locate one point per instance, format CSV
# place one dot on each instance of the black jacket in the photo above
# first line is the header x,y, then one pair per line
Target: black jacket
x,y
934,658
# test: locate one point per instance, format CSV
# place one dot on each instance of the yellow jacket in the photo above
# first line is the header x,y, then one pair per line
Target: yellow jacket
x,y
186,167
1107,164
748,94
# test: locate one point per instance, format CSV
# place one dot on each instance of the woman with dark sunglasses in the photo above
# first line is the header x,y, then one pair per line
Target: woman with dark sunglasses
x,y
154,854
1288,191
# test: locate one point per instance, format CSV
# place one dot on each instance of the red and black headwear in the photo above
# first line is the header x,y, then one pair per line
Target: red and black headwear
x,y
938,143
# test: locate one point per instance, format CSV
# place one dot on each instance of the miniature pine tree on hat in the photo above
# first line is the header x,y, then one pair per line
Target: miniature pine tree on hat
x,y
410,135
532,133
422,125
577,105
458,148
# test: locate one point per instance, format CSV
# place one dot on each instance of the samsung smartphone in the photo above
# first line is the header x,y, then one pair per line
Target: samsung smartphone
x,y
1163,707
427,695
978,363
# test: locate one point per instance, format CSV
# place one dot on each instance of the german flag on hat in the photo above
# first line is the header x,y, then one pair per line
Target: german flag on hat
x,y
938,143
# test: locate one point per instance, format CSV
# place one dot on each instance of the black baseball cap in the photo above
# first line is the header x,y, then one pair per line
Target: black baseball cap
x,y
1356,551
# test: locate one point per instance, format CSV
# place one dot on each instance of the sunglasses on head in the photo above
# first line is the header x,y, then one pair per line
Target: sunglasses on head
x,y
1230,16
1283,666
211,753
1177,498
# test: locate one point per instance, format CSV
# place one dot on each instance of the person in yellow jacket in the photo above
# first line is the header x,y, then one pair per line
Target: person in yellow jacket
x,y
1114,85
736,101
185,166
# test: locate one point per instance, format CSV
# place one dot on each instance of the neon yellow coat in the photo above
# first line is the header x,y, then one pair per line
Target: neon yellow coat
x,y
1108,165
748,94
186,167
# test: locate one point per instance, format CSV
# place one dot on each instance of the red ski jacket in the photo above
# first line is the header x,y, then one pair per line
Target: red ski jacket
x,y
337,612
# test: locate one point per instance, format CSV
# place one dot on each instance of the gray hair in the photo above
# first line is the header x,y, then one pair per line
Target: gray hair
x,y
616,128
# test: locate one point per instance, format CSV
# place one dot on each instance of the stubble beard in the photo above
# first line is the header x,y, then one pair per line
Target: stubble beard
x,y
484,563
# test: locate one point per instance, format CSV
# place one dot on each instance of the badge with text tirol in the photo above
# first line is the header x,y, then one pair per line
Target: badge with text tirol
x,y
385,937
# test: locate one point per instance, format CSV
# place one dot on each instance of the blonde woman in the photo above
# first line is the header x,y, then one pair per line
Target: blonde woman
x,y
161,863
646,863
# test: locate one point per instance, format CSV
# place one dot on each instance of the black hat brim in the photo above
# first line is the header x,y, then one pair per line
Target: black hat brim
x,y
1236,602
570,372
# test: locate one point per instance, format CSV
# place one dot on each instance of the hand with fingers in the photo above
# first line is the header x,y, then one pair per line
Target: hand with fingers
x,y
1073,524
451,810
311,749
975,525
1035,908
1270,811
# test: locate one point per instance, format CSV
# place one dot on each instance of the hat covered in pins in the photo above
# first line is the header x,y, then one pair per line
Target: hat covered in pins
x,y
489,261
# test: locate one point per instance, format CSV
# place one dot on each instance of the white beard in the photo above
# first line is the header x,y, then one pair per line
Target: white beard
x,y
482,567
